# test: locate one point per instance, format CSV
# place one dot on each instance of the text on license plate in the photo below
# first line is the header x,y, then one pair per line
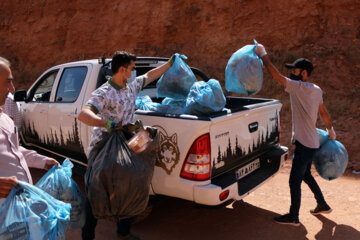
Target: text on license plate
x,y
247,169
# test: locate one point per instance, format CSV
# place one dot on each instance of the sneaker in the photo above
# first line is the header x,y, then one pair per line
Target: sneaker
x,y
320,209
288,220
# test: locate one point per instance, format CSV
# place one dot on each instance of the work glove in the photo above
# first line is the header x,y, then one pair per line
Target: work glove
x,y
332,134
110,125
174,56
260,50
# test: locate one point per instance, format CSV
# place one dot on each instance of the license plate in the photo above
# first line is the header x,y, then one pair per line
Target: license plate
x,y
247,169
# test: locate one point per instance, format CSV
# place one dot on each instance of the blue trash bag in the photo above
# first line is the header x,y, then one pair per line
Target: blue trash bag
x,y
30,213
161,108
58,183
243,73
331,159
177,81
205,98
176,106
219,97
144,102
323,136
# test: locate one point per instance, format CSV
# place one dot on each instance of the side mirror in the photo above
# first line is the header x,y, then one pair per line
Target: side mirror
x,y
20,96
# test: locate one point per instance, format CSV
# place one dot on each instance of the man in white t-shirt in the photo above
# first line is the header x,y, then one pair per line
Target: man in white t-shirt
x,y
306,102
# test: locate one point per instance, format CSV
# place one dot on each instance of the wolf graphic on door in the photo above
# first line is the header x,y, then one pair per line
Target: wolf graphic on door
x,y
168,154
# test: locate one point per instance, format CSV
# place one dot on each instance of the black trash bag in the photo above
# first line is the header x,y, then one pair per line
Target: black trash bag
x,y
118,180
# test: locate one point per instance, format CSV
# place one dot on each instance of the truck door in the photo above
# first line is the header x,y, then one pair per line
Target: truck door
x,y
62,120
36,110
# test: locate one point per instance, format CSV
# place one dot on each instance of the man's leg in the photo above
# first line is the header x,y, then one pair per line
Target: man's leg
x,y
322,206
311,182
298,169
88,231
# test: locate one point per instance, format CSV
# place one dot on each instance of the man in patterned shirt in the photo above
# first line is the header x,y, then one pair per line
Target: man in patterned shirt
x,y
113,103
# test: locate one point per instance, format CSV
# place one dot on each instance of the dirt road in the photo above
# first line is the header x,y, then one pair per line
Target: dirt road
x,y
173,219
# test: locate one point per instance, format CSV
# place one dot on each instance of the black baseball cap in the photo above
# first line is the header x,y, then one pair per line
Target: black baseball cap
x,y
302,63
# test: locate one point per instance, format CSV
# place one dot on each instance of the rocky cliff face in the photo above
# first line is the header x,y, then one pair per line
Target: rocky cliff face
x,y
36,34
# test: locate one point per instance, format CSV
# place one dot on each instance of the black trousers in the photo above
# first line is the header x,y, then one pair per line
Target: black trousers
x,y
88,231
301,171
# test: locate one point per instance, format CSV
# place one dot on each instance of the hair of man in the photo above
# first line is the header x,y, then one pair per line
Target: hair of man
x,y
121,59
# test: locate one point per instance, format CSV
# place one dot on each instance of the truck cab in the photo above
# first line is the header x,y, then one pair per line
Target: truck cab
x,y
51,105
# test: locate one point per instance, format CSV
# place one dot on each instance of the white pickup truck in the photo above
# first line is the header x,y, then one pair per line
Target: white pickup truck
x,y
208,159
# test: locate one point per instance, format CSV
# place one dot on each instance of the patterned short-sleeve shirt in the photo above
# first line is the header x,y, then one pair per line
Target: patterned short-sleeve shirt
x,y
112,102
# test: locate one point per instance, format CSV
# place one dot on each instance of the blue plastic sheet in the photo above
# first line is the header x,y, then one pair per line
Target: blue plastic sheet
x,y
331,159
30,213
243,73
144,102
175,106
177,81
205,98
58,183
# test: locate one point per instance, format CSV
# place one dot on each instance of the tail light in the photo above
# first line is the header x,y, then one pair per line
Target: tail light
x,y
224,195
197,165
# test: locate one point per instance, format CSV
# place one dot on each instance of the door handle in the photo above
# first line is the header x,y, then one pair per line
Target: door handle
x,y
253,127
43,111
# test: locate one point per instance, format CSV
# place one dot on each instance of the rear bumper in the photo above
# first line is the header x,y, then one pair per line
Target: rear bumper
x,y
270,164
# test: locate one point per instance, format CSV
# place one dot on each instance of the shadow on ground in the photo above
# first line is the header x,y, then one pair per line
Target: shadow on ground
x,y
331,230
173,219
240,220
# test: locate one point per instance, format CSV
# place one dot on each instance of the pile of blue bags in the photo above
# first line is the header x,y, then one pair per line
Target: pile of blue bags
x,y
58,183
30,213
243,73
183,94
331,158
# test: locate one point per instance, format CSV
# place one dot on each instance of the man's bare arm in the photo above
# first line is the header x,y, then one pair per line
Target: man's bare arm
x,y
87,115
275,74
6,184
325,116
156,73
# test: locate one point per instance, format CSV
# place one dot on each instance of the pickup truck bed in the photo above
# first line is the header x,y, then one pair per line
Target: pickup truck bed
x,y
244,141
